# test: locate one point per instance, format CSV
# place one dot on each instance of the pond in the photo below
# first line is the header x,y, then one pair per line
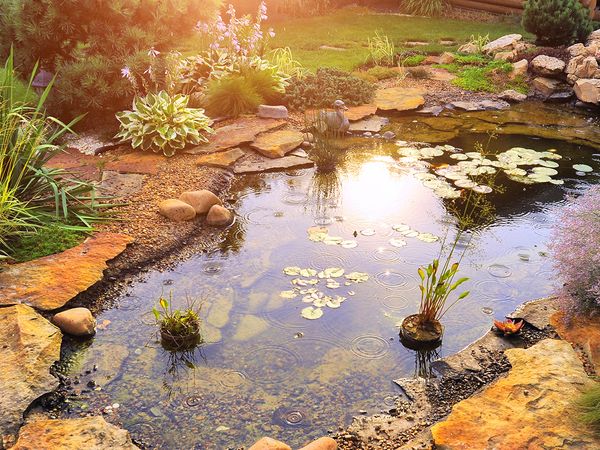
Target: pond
x,y
266,370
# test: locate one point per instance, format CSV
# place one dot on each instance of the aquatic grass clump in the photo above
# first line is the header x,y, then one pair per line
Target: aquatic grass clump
x,y
179,329
575,250
326,152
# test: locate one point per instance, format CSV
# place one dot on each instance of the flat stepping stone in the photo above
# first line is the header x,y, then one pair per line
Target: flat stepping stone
x,y
48,283
79,165
74,434
360,112
30,346
532,404
222,160
120,185
480,106
277,144
438,74
136,162
256,164
373,124
416,43
330,47
242,131
399,99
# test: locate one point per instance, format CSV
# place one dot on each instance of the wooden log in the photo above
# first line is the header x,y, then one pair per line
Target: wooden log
x,y
469,4
517,4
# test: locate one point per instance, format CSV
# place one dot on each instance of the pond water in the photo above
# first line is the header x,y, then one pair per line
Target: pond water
x,y
264,369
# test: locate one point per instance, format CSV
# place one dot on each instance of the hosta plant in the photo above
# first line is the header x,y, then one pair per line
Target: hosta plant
x,y
163,123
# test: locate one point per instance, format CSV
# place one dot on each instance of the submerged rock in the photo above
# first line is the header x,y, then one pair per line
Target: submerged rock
x,y
176,210
529,408
30,345
76,321
373,124
48,283
74,434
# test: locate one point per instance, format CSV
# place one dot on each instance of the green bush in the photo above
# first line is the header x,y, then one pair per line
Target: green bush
x,y
427,8
589,405
231,96
160,122
12,87
557,22
320,90
73,38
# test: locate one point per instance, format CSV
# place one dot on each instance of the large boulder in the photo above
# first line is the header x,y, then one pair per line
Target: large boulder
x,y
30,346
201,200
531,407
50,282
92,433
519,69
176,210
218,216
272,112
594,38
502,44
468,49
76,321
547,66
582,67
588,90
546,86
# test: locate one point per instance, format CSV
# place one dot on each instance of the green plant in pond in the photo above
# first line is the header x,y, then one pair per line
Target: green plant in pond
x,y
589,406
381,50
163,123
231,96
557,22
326,152
179,329
427,8
413,60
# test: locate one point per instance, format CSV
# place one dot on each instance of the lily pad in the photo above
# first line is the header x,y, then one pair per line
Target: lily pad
x,y
307,273
368,232
544,171
349,244
332,240
320,302
459,156
397,242
482,189
292,270
427,237
357,277
288,294
333,272
400,227
312,313
582,168
467,184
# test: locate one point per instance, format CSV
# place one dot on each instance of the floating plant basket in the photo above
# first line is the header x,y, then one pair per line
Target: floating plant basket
x,y
420,336
175,342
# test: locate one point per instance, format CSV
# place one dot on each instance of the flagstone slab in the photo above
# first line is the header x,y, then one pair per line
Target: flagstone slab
x,y
277,144
399,99
30,345
262,164
48,283
372,124
85,167
136,162
582,331
531,407
90,433
120,185
360,112
222,160
242,131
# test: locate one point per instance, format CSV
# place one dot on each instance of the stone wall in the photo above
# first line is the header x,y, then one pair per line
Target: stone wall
x,y
511,6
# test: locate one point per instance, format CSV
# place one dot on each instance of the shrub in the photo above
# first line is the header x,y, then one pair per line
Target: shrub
x,y
12,87
61,33
231,96
557,22
419,73
160,122
383,73
575,247
424,7
320,90
381,50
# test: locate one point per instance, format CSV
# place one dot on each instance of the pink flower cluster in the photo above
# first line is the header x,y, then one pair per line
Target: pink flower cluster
x,y
576,249
240,36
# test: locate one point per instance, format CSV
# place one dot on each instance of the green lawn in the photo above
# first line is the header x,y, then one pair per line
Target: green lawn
x,y
351,29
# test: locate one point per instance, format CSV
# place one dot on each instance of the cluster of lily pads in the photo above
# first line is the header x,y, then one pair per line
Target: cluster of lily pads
x,y
306,280
520,164
321,234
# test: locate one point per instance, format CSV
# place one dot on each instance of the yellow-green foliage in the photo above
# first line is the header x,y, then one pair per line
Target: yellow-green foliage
x,y
231,96
589,404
